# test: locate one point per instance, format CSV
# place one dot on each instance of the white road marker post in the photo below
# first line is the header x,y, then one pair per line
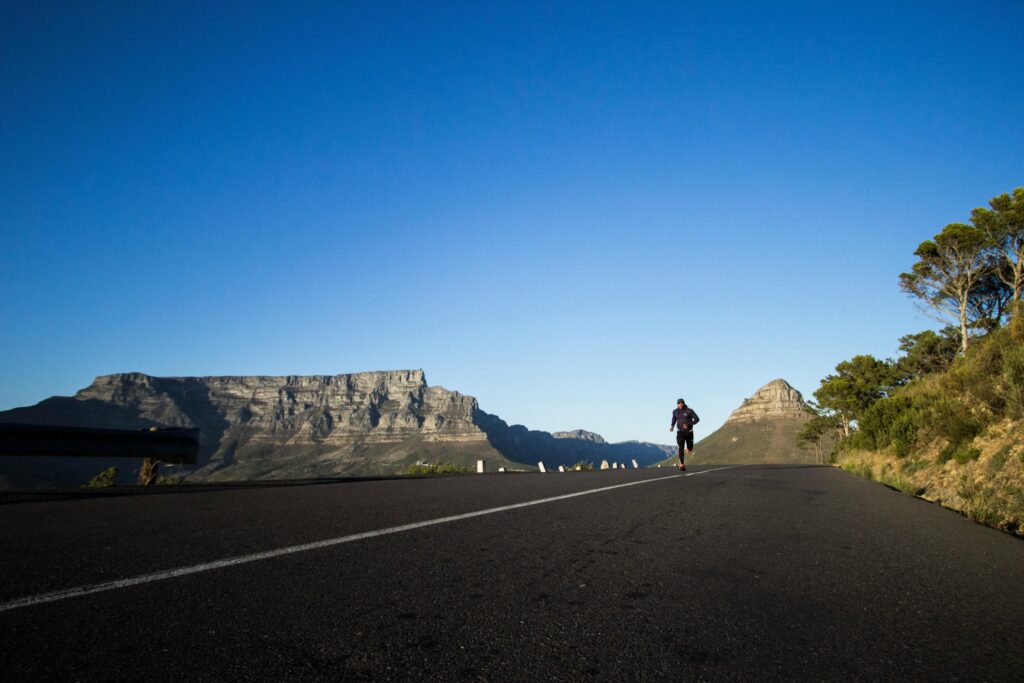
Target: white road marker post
x,y
636,466
479,466
561,468
540,465
604,464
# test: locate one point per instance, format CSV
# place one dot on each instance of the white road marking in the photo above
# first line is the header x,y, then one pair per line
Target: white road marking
x,y
44,598
692,474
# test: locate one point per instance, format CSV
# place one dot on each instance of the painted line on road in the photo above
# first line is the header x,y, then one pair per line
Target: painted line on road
x,y
693,474
92,589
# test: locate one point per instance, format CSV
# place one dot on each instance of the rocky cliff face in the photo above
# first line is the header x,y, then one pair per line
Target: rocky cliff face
x,y
300,427
372,407
775,400
581,434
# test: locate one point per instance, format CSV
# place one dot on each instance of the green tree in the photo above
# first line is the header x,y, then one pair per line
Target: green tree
x,y
817,430
989,302
857,384
949,270
1003,225
926,352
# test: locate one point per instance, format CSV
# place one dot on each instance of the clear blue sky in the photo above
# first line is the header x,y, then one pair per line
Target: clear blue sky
x,y
574,212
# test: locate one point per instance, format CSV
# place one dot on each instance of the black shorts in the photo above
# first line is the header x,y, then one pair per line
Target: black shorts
x,y
684,437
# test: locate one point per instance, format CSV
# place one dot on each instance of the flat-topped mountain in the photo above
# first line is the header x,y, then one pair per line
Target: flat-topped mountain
x,y
257,427
763,429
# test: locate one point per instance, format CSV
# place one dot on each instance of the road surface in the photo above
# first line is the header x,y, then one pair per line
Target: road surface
x,y
752,573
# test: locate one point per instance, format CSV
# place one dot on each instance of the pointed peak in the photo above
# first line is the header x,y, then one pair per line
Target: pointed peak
x,y
778,398
777,383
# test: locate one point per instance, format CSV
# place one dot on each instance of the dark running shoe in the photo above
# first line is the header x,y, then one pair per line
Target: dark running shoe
x,y
682,468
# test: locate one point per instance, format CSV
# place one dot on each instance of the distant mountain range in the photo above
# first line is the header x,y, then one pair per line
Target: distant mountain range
x,y
763,429
255,427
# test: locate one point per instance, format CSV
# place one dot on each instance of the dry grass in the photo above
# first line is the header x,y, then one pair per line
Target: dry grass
x,y
986,483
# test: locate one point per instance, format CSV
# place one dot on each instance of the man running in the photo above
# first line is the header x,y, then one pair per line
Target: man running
x,y
684,418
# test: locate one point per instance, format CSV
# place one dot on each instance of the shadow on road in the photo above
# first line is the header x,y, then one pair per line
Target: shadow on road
x,y
12,497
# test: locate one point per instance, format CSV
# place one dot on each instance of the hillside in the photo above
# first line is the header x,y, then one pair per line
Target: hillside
x,y
954,437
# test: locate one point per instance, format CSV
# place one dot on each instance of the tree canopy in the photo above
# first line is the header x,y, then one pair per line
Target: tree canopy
x,y
950,269
926,352
1003,226
856,384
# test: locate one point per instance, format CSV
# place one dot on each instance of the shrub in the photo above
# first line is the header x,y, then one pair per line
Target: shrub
x,y
999,459
894,479
890,422
980,502
991,375
860,468
420,469
914,465
1013,381
965,454
962,453
103,479
951,420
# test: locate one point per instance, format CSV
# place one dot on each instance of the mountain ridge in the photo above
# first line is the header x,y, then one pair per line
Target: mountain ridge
x,y
302,426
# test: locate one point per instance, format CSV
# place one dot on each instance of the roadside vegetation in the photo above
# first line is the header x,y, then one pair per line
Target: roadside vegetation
x,y
108,477
103,479
421,469
945,420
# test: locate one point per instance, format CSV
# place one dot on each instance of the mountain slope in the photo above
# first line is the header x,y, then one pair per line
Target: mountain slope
x,y
762,430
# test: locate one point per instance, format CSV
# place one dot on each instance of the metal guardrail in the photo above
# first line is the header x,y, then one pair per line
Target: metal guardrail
x,y
172,445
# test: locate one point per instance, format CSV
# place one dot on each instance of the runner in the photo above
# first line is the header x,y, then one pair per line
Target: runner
x,y
684,418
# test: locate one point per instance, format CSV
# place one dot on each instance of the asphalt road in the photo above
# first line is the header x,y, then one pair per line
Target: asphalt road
x,y
751,573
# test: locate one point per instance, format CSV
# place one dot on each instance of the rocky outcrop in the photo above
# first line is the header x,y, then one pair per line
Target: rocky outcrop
x,y
581,434
775,400
257,427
